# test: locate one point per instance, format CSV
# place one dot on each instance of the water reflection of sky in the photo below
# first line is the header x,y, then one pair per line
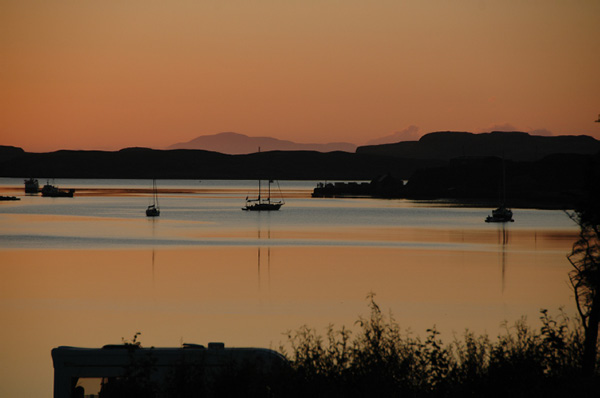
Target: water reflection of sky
x,y
188,219
89,270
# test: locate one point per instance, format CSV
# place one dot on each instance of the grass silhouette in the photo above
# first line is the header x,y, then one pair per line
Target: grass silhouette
x,y
380,360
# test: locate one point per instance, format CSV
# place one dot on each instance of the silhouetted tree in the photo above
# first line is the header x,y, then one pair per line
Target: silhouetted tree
x,y
585,276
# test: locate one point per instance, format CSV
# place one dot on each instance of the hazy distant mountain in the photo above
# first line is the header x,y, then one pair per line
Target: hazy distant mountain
x,y
445,145
410,133
238,144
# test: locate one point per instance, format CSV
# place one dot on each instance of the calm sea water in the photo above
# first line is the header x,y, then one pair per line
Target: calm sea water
x,y
109,214
90,270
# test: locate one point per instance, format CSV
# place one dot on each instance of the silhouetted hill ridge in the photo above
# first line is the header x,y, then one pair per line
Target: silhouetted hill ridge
x,y
199,164
446,145
10,152
557,180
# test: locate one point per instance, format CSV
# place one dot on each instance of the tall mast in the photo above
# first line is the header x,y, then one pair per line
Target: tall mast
x,y
503,182
155,192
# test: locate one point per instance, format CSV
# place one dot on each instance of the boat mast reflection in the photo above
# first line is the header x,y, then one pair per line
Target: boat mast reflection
x,y
153,220
259,258
503,239
153,281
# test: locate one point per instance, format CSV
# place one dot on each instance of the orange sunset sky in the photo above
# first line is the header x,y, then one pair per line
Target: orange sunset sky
x,y
111,74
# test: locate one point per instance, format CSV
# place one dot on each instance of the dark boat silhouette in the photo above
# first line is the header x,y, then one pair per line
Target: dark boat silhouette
x,y
502,213
52,191
32,186
263,204
154,209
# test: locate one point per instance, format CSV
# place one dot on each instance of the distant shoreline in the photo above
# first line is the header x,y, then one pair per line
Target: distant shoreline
x,y
453,167
516,203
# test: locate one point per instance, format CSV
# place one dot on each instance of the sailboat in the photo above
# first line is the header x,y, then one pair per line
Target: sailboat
x,y
153,210
502,213
263,204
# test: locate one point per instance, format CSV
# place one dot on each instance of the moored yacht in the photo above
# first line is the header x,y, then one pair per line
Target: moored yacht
x,y
501,214
262,204
154,209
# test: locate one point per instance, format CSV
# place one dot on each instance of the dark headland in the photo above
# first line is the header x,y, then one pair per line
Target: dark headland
x,y
538,171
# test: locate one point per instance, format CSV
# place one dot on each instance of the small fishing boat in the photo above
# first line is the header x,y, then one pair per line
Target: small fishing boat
x,y
263,204
153,210
32,186
52,191
501,214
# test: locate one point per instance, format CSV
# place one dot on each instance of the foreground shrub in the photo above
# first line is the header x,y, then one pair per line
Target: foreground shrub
x,y
380,360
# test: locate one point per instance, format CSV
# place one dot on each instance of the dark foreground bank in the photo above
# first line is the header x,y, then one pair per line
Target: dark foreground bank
x,y
381,360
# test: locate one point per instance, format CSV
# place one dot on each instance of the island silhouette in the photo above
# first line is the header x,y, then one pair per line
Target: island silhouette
x,y
541,171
